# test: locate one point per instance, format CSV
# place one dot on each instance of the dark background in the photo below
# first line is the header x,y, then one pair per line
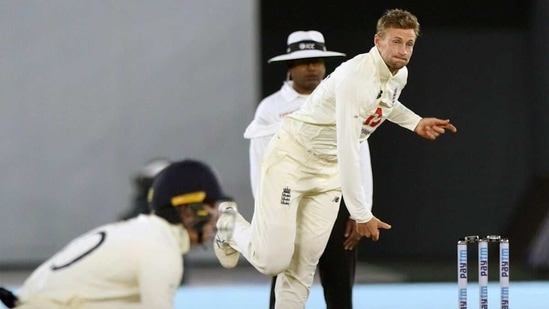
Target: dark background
x,y
481,64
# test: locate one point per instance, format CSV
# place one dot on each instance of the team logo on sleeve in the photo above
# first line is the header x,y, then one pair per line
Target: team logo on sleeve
x,y
393,99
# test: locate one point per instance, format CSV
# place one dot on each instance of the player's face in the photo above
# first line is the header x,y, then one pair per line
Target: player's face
x,y
307,74
202,217
396,47
208,232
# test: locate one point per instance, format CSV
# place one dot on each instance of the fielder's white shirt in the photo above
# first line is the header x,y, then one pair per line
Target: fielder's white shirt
x,y
139,261
343,111
267,120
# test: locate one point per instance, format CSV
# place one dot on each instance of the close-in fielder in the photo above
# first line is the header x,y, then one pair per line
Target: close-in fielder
x,y
306,69
314,158
135,263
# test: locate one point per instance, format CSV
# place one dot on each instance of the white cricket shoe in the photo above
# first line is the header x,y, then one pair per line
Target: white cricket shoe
x,y
227,256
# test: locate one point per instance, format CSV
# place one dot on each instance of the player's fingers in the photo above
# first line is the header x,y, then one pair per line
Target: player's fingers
x,y
439,129
434,130
451,127
383,225
445,124
430,132
440,122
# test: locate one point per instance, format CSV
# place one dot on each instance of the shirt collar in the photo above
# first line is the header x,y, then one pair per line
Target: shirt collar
x,y
177,230
384,72
289,93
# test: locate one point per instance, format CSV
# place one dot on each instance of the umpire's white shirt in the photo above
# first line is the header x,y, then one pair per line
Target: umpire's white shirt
x,y
358,96
267,120
131,264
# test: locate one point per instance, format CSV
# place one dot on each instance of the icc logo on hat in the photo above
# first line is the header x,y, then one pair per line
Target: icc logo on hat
x,y
305,44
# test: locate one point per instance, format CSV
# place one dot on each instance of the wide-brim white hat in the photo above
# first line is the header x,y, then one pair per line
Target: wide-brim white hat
x,y
306,44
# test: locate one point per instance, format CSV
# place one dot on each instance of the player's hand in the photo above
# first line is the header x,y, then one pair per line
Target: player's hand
x,y
371,228
431,128
352,237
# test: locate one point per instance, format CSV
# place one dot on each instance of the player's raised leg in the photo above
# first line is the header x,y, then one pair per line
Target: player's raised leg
x,y
268,242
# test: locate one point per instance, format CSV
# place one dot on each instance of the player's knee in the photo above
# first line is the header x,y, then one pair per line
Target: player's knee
x,y
274,263
276,267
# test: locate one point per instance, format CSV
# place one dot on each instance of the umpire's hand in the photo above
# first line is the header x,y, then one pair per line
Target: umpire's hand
x,y
371,228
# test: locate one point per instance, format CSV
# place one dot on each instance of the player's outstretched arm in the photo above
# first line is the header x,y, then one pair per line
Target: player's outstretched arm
x,y
431,128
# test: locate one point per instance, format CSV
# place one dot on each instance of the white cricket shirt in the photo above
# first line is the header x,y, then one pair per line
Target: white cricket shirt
x,y
267,120
138,262
344,110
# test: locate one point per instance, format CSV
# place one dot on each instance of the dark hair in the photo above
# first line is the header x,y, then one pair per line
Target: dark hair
x,y
397,18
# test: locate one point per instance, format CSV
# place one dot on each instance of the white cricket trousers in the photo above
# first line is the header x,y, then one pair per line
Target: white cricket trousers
x,y
297,204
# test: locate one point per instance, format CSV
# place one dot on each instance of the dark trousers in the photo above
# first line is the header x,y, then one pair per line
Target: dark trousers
x,y
336,267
